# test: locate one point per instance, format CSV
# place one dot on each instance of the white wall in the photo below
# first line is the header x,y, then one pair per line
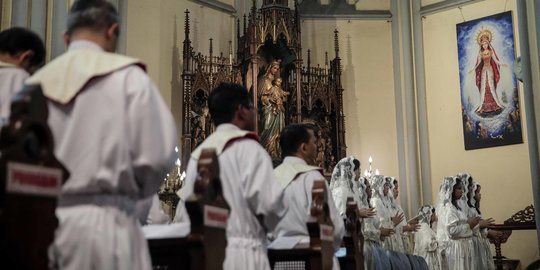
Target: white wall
x,y
503,171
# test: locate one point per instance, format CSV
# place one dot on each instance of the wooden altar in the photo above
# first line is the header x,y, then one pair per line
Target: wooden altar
x,y
271,34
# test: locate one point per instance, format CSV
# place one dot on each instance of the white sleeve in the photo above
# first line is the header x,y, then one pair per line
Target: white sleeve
x,y
12,82
454,227
151,132
264,194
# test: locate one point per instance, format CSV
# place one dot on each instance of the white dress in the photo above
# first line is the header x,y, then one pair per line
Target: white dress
x,y
384,216
459,248
117,140
372,240
251,190
481,246
426,246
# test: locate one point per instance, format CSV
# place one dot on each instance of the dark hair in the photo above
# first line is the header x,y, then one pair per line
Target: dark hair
x,y
477,204
454,202
94,14
17,39
292,136
224,100
356,164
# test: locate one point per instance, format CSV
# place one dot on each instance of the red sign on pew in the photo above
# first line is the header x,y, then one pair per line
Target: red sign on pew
x,y
215,216
33,180
327,233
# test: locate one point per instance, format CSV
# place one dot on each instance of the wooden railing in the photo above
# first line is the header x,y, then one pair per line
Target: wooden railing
x,y
522,220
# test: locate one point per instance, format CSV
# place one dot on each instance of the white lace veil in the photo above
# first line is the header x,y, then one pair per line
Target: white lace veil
x,y
362,194
425,214
343,173
377,184
341,183
474,188
444,197
462,203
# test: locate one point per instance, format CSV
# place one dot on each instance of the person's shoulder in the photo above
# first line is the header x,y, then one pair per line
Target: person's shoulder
x,y
249,148
314,174
133,70
14,72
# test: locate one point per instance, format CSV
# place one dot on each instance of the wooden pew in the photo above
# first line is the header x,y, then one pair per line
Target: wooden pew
x,y
31,178
522,220
319,253
354,240
204,247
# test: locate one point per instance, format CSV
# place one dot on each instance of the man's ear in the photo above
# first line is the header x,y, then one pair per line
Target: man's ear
x,y
25,55
303,147
112,30
67,39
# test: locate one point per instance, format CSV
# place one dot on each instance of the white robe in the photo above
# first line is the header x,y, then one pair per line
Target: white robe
x,y
384,215
426,246
117,140
251,189
11,81
372,240
459,249
298,195
481,245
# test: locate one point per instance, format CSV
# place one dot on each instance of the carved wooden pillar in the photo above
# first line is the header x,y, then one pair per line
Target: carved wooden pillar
x,y
187,81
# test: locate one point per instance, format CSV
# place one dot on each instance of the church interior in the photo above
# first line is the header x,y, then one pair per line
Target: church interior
x,y
390,72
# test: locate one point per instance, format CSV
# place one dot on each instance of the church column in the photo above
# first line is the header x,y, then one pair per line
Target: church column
x,y
411,144
421,104
528,97
400,125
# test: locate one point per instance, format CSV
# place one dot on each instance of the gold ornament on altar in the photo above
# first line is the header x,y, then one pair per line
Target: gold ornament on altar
x,y
170,186
484,34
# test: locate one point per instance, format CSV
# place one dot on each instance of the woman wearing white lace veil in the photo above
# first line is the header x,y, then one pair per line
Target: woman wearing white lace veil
x,y
370,226
444,196
403,230
341,183
459,249
382,203
480,241
425,239
466,181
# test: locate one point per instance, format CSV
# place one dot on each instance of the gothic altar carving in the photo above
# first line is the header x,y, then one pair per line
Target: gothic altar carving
x,y
268,61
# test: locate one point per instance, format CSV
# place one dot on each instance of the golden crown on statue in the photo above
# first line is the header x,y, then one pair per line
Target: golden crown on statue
x,y
484,34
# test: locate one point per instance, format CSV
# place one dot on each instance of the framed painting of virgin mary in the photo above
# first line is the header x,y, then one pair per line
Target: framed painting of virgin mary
x,y
489,95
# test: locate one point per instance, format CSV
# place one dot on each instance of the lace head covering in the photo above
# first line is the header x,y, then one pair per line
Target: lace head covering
x,y
362,194
343,173
390,181
341,183
465,179
474,188
377,184
445,197
425,213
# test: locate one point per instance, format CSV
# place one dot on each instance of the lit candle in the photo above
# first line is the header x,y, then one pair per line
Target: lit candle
x,y
370,160
377,172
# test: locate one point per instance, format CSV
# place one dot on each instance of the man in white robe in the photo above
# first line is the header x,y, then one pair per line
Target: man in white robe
x,y
116,137
21,52
299,147
249,184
